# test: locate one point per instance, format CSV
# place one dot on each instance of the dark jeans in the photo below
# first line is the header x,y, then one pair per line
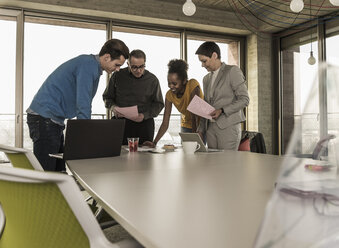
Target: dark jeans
x,y
48,137
186,130
144,130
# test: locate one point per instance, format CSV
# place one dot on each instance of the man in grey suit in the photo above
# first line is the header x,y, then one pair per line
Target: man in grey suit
x,y
225,89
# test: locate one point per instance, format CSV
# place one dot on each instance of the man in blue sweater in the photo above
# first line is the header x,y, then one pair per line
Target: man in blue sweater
x,y
67,93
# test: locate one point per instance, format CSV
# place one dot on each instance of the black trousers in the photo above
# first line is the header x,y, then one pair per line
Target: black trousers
x,y
144,130
48,137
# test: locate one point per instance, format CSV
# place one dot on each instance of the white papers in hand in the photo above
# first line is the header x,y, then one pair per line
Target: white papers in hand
x,y
128,112
199,107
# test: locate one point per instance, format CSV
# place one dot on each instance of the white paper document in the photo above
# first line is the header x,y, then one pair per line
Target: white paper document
x,y
128,112
145,149
199,107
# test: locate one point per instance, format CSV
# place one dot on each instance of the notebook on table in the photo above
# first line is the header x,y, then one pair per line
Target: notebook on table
x,y
92,139
196,137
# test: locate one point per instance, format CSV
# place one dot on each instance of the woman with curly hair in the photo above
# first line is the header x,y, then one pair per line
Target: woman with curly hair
x,y
180,95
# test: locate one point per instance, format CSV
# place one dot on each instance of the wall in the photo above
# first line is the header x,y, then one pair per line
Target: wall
x,y
260,86
288,98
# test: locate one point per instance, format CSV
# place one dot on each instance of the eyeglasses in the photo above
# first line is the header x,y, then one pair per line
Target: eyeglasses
x,y
135,68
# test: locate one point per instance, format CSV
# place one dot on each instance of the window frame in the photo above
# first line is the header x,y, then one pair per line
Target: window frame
x,y
23,14
321,28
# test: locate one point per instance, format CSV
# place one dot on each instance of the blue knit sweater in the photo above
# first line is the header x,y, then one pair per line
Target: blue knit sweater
x,y
68,92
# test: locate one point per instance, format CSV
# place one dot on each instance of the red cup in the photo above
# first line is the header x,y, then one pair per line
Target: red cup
x,y
133,144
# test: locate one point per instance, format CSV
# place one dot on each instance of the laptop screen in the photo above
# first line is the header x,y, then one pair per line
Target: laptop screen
x,y
93,138
194,137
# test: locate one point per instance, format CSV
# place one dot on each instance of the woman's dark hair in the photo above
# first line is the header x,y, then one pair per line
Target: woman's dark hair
x,y
115,48
208,48
179,67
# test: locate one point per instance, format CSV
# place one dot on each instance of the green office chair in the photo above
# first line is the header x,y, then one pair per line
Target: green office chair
x,y
46,209
21,158
2,221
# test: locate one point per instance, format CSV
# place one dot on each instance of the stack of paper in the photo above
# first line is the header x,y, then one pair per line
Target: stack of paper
x,y
128,112
199,107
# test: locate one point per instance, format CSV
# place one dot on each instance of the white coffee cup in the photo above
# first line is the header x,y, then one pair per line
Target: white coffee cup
x,y
190,146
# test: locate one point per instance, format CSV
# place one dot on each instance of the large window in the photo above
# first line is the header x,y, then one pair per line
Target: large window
x,y
308,106
299,78
308,92
308,103
332,51
47,46
45,41
332,57
160,48
7,82
332,41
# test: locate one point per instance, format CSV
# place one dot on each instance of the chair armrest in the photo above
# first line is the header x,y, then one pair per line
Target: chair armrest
x,y
2,220
128,243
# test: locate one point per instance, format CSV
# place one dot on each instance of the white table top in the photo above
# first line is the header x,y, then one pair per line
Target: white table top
x,y
177,200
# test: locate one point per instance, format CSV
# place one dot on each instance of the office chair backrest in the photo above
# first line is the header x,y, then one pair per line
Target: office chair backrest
x,y
45,209
21,158
258,143
252,141
244,145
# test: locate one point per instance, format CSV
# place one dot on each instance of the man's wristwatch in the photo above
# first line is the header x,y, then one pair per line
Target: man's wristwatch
x,y
222,111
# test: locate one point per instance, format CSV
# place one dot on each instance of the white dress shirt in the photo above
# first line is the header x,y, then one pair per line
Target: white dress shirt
x,y
214,75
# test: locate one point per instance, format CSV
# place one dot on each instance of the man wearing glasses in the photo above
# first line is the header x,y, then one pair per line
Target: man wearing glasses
x,y
135,86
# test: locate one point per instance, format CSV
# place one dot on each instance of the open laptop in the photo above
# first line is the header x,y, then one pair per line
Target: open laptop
x,y
196,137
93,139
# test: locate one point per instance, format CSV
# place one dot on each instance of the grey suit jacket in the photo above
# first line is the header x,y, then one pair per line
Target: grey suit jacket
x,y
230,93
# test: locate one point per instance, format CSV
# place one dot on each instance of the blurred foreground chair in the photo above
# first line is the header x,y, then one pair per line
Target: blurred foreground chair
x,y
46,209
21,158
2,221
252,141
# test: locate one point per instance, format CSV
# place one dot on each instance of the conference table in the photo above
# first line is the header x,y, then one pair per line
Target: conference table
x,y
177,200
